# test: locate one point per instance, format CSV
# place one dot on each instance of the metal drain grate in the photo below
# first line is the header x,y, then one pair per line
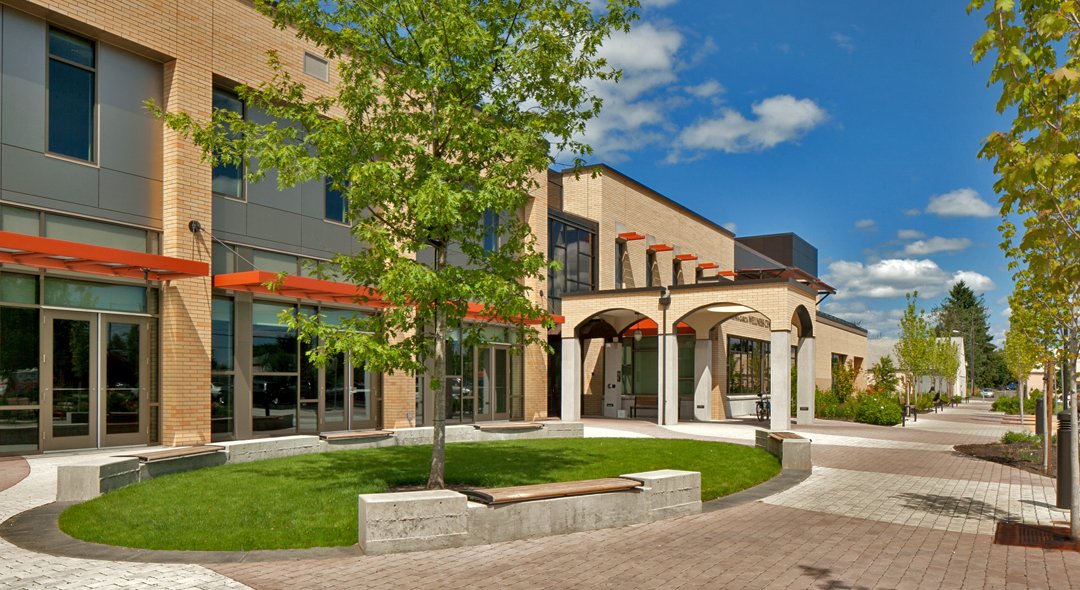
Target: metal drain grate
x,y
1032,535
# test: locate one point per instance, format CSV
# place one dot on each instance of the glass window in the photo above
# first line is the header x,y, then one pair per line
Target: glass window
x,y
748,366
572,248
20,221
335,204
273,404
620,254
222,334
686,365
274,262
228,179
110,235
87,295
18,357
273,345
222,406
491,230
640,358
71,95
17,288
18,431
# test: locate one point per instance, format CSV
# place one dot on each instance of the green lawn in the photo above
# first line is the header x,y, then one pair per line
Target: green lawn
x,y
310,500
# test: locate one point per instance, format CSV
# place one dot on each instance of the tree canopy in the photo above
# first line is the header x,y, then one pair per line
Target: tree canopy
x,y
445,116
963,313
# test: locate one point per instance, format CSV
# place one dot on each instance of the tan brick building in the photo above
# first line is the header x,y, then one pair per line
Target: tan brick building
x,y
131,302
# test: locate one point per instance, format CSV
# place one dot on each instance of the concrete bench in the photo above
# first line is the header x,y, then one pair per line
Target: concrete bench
x,y
491,496
792,450
437,519
157,463
643,402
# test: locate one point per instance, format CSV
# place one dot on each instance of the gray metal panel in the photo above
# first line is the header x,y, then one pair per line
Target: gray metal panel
x,y
320,235
95,212
313,199
132,194
22,105
267,223
32,173
130,138
229,216
267,193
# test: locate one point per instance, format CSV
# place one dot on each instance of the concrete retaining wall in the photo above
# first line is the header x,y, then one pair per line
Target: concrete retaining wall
x,y
418,521
94,476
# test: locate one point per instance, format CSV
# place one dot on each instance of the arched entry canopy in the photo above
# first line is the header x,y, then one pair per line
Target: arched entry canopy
x,y
686,309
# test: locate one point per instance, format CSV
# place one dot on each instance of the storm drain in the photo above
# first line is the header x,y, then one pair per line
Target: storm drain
x,y
1033,535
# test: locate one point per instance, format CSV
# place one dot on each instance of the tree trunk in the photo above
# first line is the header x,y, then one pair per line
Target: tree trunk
x,y
437,476
1020,394
1068,385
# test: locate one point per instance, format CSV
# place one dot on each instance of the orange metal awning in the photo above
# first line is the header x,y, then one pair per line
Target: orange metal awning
x,y
661,248
255,281
630,236
708,265
75,256
686,257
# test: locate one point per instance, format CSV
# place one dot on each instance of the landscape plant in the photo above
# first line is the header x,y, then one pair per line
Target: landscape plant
x,y
445,117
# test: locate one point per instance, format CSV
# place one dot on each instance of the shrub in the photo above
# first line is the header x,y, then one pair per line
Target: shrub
x,y
882,410
956,399
1021,437
1009,405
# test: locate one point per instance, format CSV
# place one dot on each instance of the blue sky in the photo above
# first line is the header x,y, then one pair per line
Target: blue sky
x,y
855,124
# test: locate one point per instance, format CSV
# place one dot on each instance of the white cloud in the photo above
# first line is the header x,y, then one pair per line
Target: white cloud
x,y
896,276
843,42
912,212
877,322
731,227
866,225
910,234
706,89
936,244
964,202
779,119
657,3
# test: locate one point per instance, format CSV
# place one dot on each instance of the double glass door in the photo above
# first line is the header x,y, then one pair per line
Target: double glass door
x,y
95,380
349,397
478,383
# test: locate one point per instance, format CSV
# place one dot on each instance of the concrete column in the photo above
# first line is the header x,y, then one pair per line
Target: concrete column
x,y
571,379
668,373
780,379
805,386
703,379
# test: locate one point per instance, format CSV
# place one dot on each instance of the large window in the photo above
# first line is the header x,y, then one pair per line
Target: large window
x,y
572,247
748,366
620,256
222,365
228,179
336,206
71,95
651,278
491,230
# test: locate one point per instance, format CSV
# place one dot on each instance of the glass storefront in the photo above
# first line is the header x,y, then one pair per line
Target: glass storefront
x,y
748,366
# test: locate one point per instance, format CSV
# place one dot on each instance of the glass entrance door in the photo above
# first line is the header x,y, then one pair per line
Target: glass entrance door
x,y
123,348
350,397
95,376
70,379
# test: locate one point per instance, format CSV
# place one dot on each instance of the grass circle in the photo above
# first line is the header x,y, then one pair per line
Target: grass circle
x,y
310,500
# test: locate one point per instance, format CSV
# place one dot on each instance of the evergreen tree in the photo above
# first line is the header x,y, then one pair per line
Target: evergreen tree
x,y
964,314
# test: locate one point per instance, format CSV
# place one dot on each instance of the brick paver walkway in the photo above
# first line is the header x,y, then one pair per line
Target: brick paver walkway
x,y
884,508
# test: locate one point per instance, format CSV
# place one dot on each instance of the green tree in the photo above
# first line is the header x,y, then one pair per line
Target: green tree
x,y
446,115
1036,65
962,313
946,362
884,373
915,346
1021,355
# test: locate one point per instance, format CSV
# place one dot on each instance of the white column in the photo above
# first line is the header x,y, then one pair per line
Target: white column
x,y
703,379
571,379
780,380
667,374
806,381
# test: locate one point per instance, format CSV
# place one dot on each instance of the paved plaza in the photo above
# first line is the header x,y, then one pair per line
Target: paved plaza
x,y
883,508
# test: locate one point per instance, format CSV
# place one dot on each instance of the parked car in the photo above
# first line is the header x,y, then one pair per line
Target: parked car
x,y
987,393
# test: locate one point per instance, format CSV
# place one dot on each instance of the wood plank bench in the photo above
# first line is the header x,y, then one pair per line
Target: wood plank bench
x,y
782,435
543,491
355,435
508,426
169,454
643,402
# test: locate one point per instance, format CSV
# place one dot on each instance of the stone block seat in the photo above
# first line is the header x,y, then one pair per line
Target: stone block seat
x,y
543,491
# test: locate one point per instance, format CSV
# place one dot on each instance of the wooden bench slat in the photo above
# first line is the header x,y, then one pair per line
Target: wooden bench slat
x,y
782,435
551,490
151,456
355,434
509,426
644,402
